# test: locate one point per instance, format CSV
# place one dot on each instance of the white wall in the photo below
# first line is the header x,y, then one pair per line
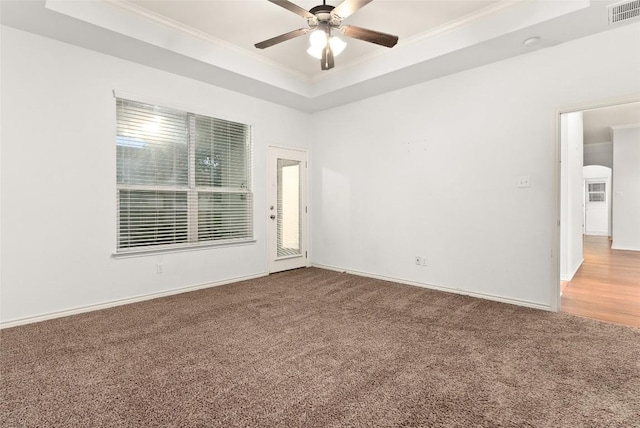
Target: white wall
x,y
1,185
601,173
626,188
599,154
431,170
571,194
58,178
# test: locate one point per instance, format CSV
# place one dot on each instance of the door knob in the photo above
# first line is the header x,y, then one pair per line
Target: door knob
x,y
272,217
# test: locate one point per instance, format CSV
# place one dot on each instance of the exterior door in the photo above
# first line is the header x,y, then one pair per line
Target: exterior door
x,y
287,209
596,220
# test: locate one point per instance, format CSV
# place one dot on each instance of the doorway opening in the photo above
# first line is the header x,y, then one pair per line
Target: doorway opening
x,y
600,213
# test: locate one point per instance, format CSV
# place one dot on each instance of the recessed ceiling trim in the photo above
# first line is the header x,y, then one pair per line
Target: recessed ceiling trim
x,y
137,22
142,27
174,51
178,26
502,21
466,20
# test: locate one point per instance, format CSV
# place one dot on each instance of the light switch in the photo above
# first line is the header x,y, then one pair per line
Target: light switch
x,y
524,181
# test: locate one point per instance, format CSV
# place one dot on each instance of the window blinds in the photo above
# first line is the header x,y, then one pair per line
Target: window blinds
x,y
182,179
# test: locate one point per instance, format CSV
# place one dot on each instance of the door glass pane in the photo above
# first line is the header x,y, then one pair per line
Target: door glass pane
x,y
289,237
597,192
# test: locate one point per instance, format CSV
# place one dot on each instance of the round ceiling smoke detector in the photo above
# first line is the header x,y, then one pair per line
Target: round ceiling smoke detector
x,y
532,42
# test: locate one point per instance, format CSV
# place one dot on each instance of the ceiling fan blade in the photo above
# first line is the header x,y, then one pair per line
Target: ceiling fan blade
x,y
294,8
371,36
347,7
327,62
282,38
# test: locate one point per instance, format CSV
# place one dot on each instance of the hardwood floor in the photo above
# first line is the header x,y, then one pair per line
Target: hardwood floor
x,y
607,285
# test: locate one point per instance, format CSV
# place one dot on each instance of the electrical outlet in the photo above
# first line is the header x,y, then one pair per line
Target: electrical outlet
x,y
524,181
418,260
424,261
159,268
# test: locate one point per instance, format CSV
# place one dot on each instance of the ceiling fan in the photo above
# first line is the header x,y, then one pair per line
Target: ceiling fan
x,y
321,20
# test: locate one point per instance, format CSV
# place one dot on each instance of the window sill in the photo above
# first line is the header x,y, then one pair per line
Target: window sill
x,y
124,254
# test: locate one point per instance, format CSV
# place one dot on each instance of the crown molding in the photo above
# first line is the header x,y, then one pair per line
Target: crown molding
x,y
177,26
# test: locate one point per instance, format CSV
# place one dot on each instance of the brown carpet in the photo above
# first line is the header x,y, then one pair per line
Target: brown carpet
x,y
318,348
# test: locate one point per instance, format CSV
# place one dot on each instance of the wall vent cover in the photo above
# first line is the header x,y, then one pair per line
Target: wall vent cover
x,y
624,11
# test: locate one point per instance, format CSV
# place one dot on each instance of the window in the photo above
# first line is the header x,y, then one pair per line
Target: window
x,y
182,179
597,192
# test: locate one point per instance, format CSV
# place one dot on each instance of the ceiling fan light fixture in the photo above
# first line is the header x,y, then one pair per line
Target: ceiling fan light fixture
x,y
336,43
318,39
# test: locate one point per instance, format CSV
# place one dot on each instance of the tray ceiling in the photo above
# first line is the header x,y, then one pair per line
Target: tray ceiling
x,y
212,41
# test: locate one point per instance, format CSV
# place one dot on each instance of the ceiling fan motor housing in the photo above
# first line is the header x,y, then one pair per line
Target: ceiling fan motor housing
x,y
326,8
323,15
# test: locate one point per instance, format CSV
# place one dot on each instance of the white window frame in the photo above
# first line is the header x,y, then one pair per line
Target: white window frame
x,y
192,191
602,192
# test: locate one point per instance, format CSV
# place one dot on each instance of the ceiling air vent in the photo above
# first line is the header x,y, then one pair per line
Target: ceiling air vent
x,y
624,11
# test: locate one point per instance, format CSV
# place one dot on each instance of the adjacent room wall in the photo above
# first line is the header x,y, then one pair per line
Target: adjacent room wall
x,y
58,178
626,188
599,154
432,170
571,194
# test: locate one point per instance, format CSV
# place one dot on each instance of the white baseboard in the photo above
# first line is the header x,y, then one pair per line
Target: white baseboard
x,y
485,296
597,233
570,275
120,302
